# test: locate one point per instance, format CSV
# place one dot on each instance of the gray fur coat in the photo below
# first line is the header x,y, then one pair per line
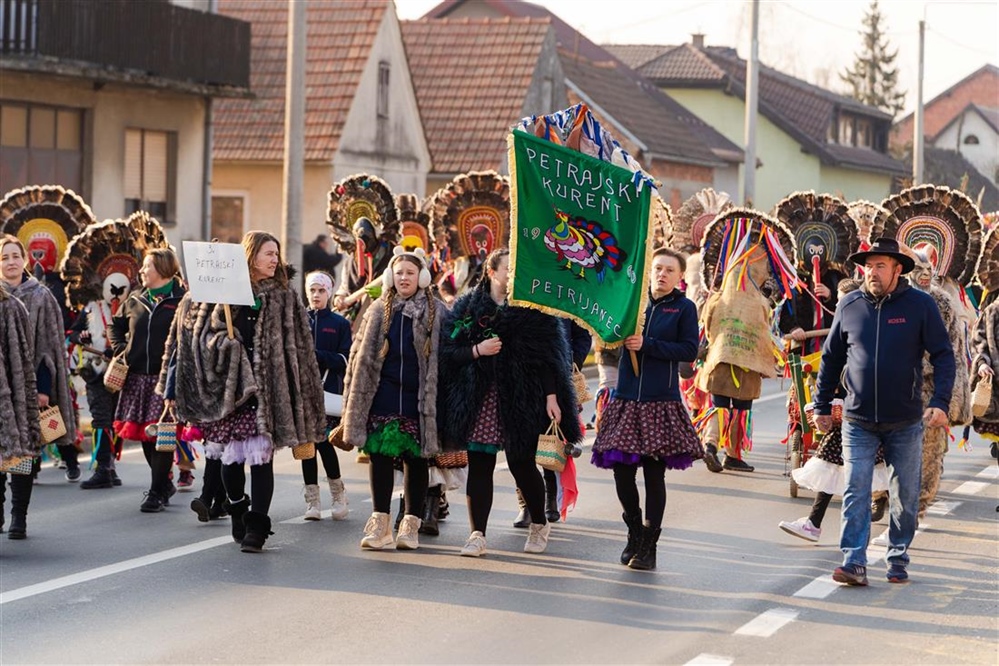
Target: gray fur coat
x,y
365,365
985,351
46,328
960,399
19,431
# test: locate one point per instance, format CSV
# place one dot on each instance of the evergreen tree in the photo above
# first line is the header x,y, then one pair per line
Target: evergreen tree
x,y
873,79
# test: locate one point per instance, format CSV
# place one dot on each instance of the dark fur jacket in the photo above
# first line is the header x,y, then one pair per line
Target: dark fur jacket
x,y
365,366
985,351
214,375
45,326
533,348
19,431
960,399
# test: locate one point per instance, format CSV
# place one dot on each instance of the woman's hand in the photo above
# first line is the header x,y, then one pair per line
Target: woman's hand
x,y
488,347
797,334
551,406
633,342
984,371
822,291
43,401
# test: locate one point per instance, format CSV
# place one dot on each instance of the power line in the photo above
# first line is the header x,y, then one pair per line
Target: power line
x,y
946,38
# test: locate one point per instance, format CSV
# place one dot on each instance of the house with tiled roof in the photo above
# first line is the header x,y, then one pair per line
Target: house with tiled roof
x,y
361,113
681,151
974,133
807,137
474,79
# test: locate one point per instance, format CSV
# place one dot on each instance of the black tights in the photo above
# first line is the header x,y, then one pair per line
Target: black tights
x,y
331,464
416,478
261,485
819,507
160,463
654,471
479,490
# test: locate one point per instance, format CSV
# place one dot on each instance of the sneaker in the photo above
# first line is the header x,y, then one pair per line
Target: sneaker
x,y
711,459
152,503
73,474
801,528
537,538
851,574
737,465
408,537
897,574
186,480
881,539
475,546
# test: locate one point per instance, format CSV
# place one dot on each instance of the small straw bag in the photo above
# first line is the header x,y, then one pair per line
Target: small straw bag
x,y
21,466
166,434
305,451
116,374
551,448
336,439
52,425
579,383
981,397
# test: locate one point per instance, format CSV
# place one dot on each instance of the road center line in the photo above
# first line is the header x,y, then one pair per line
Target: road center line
x,y
110,570
767,624
705,659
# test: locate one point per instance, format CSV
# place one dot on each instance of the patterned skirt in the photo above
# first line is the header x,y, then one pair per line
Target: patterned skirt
x,y
631,430
823,472
986,429
487,435
138,406
239,437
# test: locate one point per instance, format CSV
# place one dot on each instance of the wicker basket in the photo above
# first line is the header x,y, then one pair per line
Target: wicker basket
x,y
452,459
551,448
837,415
582,388
52,425
116,374
336,439
981,397
21,466
305,451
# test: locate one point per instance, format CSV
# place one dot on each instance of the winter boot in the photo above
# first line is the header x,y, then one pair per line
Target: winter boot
x,y
430,510
408,537
202,508
18,528
313,510
402,512
377,534
237,511
258,528
634,524
101,478
645,558
340,501
445,509
523,519
552,514
20,497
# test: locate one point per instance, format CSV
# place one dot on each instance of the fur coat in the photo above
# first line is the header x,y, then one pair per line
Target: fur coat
x,y
365,365
985,351
214,375
46,328
533,345
19,431
960,399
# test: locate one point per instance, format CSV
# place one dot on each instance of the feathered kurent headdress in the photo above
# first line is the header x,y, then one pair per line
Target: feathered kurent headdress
x,y
864,213
414,223
987,267
695,215
111,246
45,218
662,223
357,196
820,221
940,216
470,216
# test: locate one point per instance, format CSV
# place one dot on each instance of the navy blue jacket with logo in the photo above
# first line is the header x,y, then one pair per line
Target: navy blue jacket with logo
x,y
398,391
876,347
670,334
331,333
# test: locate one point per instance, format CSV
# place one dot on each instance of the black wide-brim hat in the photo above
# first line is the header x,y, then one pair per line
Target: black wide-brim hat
x,y
885,247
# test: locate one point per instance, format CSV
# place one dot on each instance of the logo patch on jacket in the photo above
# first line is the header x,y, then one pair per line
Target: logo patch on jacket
x,y
897,320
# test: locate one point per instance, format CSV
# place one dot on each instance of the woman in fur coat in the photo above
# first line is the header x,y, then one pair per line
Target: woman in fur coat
x,y
252,393
985,367
391,394
45,328
507,373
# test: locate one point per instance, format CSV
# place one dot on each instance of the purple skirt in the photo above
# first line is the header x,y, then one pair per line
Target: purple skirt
x,y
632,430
238,426
138,406
488,428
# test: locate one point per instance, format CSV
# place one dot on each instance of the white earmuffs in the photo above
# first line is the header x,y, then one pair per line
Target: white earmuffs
x,y
388,279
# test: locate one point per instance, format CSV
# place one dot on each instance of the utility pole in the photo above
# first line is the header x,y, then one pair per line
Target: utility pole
x,y
752,102
294,136
207,148
917,126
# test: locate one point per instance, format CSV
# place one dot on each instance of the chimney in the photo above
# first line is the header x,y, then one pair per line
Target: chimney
x,y
698,40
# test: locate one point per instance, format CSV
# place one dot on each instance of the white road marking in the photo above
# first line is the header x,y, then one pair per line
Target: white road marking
x,y
820,588
705,659
942,507
767,624
990,472
971,488
110,569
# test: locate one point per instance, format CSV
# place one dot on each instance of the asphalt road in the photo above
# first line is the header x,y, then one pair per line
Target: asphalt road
x,y
99,582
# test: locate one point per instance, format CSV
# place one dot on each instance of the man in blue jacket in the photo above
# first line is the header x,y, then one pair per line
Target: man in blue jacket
x,y
876,346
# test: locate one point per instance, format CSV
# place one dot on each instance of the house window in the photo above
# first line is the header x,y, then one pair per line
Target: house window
x,y
846,131
383,89
228,216
40,145
971,140
864,133
150,173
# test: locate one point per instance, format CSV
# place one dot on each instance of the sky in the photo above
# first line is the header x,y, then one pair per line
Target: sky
x,y
814,40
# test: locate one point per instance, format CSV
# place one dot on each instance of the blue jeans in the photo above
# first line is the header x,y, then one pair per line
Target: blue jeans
x,y
903,449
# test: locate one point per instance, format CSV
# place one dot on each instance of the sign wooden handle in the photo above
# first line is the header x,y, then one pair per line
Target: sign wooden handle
x,y
228,320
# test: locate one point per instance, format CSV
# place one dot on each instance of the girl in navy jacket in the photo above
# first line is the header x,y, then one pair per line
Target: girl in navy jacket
x,y
331,333
646,424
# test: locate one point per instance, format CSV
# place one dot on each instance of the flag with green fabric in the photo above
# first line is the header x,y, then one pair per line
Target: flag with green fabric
x,y
580,237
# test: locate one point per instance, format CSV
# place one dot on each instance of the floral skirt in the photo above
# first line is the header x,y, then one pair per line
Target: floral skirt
x,y
138,406
986,429
488,429
631,430
239,437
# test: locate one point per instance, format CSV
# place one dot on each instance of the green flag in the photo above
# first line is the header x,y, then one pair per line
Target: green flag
x,y
580,237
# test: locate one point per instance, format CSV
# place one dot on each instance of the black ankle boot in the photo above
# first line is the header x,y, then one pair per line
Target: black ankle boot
x,y
258,528
202,508
433,506
645,558
153,502
445,509
634,524
552,514
18,528
523,519
237,511
101,478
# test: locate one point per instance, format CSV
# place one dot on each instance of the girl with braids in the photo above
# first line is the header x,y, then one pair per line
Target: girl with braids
x,y
506,373
391,395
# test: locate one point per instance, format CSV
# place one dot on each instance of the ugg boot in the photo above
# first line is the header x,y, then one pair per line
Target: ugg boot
x,y
408,537
313,510
340,502
377,534
552,514
537,538
237,511
430,510
634,524
523,519
20,497
258,528
645,558
101,478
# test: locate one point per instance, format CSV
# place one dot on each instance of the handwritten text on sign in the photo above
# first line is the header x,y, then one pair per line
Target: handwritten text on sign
x,y
217,273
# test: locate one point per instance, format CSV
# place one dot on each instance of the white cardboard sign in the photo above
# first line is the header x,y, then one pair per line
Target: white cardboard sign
x,y
217,273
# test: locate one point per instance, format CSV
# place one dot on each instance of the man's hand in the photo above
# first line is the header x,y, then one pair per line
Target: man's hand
x,y
984,371
797,334
934,417
822,291
823,422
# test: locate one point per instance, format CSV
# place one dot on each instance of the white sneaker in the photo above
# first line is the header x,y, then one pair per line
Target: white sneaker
x,y
475,546
537,538
881,539
377,532
408,537
313,510
801,528
339,510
